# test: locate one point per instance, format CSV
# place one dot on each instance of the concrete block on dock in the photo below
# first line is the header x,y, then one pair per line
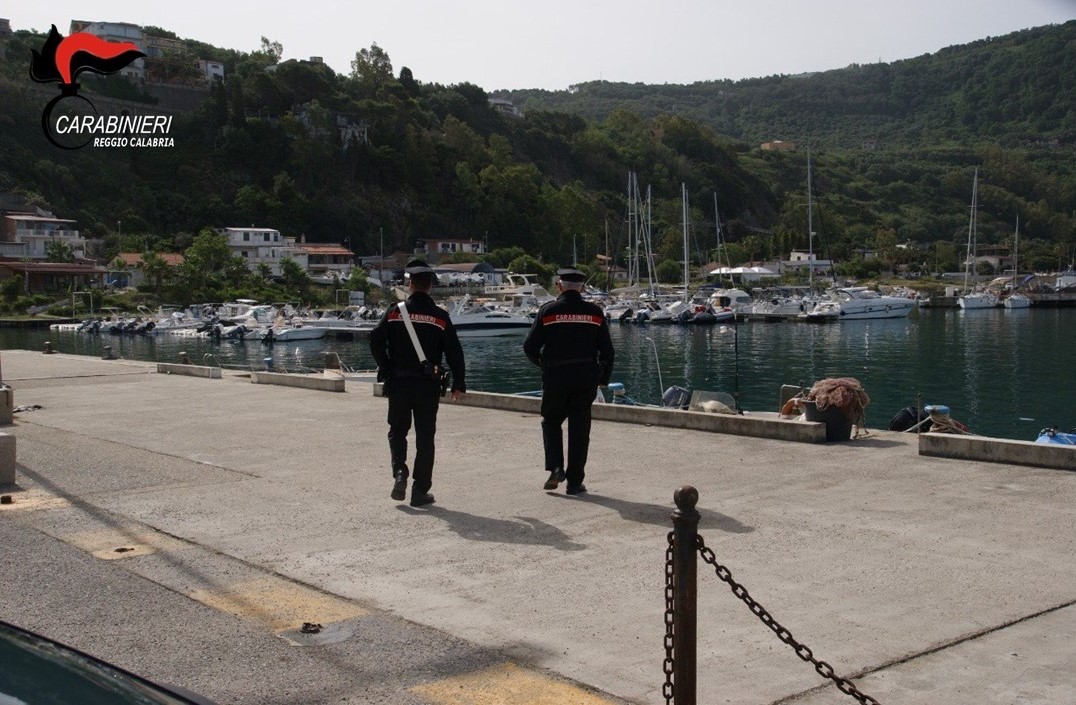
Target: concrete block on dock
x,y
768,426
168,368
7,459
325,382
997,450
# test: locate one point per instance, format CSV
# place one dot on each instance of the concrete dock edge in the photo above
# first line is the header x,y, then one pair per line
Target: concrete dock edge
x,y
997,450
168,368
321,382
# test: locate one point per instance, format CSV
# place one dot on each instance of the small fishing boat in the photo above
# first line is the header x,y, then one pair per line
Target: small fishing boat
x,y
1055,437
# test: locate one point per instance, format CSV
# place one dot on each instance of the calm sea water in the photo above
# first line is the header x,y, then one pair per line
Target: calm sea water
x,y
1004,373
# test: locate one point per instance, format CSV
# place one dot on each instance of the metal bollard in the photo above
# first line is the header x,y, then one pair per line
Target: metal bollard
x,y
332,361
48,348
184,358
685,593
107,353
268,364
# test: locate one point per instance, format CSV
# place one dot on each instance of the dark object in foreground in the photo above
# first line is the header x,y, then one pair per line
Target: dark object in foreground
x,y
34,669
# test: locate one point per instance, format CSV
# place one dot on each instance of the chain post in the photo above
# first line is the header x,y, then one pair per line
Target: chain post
x,y
685,592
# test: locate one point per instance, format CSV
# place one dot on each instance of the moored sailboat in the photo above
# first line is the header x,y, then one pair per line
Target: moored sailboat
x,y
1017,299
971,300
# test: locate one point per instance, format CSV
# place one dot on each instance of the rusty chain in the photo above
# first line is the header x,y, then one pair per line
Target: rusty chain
x,y
667,688
802,650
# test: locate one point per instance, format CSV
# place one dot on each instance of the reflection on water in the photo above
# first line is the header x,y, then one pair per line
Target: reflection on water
x,y
991,367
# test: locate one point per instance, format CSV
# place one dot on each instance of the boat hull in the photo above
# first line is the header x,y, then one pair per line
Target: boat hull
x,y
490,329
891,311
974,303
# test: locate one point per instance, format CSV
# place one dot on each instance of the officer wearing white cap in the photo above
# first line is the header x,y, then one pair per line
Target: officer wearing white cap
x,y
570,342
413,387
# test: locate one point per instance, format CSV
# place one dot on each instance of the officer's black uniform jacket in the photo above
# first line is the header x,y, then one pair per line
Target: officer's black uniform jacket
x,y
570,341
395,354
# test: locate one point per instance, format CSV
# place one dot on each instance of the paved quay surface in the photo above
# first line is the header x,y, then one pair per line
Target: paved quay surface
x,y
244,510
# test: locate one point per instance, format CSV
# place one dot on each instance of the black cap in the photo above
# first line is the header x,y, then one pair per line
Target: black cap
x,y
420,271
417,266
571,274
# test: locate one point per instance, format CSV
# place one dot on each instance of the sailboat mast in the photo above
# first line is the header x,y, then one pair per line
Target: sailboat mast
x,y
649,243
810,228
683,194
971,229
717,254
1015,252
633,230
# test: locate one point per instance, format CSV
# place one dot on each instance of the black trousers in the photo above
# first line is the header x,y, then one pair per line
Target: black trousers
x,y
571,403
413,398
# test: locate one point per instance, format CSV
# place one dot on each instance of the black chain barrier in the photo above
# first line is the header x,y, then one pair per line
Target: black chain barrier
x,y
667,688
802,650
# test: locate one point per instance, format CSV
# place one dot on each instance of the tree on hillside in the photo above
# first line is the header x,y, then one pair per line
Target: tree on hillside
x,y
58,251
209,251
530,265
501,256
272,50
669,272
155,269
372,68
296,280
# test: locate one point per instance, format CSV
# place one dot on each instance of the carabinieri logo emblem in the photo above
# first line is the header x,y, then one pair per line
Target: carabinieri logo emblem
x,y
62,59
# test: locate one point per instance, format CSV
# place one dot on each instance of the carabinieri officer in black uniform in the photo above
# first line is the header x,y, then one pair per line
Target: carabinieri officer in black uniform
x,y
570,342
414,389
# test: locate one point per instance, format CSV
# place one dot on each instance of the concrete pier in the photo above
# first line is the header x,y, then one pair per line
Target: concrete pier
x,y
186,528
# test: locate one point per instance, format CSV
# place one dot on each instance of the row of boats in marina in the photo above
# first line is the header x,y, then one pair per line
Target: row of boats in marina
x,y
243,319
510,310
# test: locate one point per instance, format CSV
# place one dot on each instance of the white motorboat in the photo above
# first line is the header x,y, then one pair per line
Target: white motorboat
x,y
736,299
285,331
475,318
858,303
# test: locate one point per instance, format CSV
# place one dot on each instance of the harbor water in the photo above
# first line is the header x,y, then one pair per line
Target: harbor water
x,y
1004,373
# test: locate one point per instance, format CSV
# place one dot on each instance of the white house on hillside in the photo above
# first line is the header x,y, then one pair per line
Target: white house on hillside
x,y
434,248
118,32
801,261
26,235
326,259
264,246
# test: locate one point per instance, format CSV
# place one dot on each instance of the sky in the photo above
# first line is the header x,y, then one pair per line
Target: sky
x,y
515,44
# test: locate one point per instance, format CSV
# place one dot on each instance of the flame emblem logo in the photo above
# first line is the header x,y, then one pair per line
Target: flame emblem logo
x,y
62,59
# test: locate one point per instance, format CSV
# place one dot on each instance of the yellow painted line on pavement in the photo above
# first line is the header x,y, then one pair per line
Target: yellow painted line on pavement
x,y
118,542
33,499
279,604
507,684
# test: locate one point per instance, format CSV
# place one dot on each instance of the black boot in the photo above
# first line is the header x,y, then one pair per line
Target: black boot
x,y
399,485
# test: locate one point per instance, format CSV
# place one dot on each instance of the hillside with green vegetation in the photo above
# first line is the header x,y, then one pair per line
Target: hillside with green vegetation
x,y
1016,91
377,156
